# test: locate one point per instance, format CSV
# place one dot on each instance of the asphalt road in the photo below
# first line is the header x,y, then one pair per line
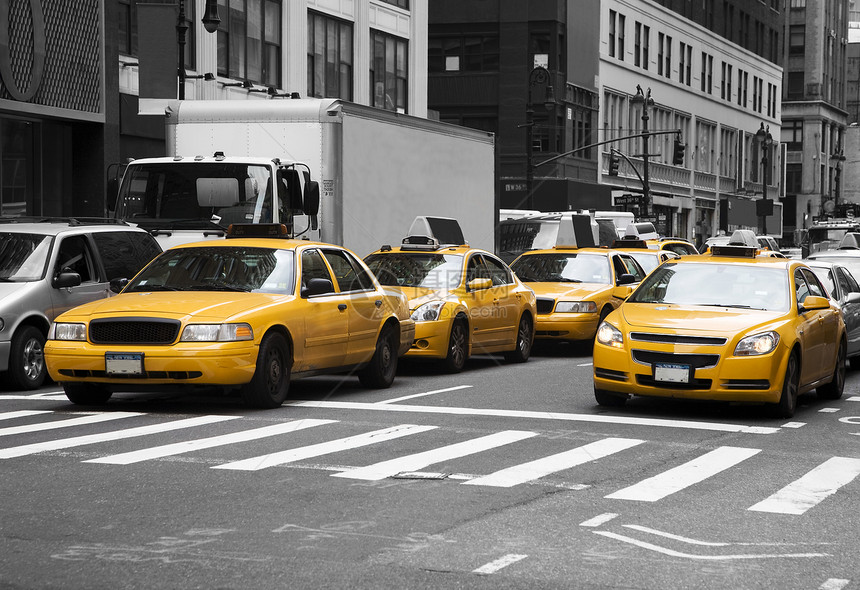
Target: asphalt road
x,y
502,476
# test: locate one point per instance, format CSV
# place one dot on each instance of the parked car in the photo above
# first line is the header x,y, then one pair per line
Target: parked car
x,y
50,265
843,287
249,312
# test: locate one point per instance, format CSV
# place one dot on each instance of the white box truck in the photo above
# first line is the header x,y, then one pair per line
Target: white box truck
x,y
329,169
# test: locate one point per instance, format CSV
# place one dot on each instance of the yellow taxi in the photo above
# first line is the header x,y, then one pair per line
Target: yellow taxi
x,y
729,326
576,287
648,258
246,313
464,300
679,246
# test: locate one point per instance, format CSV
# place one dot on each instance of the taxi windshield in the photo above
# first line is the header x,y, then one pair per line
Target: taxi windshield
x,y
562,268
240,269
744,286
417,269
23,257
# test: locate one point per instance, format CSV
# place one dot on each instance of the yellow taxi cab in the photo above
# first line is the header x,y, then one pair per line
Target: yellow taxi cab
x,y
679,246
576,287
246,313
728,326
464,300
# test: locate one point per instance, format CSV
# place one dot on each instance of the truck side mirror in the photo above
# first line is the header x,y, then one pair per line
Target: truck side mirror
x,y
312,198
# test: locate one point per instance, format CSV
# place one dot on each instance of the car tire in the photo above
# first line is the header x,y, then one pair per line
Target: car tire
x,y
87,394
458,348
380,371
787,403
833,390
27,358
271,382
609,399
525,338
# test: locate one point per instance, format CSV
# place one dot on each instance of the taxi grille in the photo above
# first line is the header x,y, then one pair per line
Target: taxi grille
x,y
545,305
179,375
677,339
697,361
133,331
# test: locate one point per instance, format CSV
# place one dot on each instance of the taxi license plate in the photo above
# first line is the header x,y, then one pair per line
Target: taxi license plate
x,y
124,363
672,373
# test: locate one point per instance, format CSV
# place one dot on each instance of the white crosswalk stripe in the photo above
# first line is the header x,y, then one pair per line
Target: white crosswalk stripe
x,y
208,443
418,461
676,479
808,491
22,414
67,423
532,470
341,444
89,439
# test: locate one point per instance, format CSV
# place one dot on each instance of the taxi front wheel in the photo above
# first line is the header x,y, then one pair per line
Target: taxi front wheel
x,y
458,348
607,398
525,336
271,382
379,372
87,394
788,400
833,390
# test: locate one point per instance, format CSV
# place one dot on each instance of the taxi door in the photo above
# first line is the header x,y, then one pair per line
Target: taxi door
x,y
489,309
480,304
326,319
508,302
364,305
850,309
829,320
810,330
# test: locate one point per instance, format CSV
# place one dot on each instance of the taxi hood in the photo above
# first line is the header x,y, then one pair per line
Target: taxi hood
x,y
694,319
201,305
418,296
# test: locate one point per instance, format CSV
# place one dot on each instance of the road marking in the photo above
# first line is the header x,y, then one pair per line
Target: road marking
x,y
405,397
676,479
801,495
206,443
66,423
532,470
829,410
351,442
586,365
600,418
834,584
494,566
854,398
672,553
40,396
418,461
22,414
599,519
794,425
77,441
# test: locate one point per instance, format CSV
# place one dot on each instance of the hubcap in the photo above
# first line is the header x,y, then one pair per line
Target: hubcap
x,y
34,359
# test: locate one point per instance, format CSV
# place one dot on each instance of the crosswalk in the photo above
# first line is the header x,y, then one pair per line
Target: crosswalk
x,y
794,498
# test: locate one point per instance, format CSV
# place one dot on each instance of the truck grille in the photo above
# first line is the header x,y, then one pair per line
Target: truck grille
x,y
150,331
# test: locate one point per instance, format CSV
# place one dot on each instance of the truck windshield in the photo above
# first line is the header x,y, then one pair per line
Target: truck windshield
x,y
195,194
827,238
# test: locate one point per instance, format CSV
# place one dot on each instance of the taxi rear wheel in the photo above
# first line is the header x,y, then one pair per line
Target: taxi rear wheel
x,y
87,394
788,400
271,382
833,390
610,399
458,347
525,338
379,372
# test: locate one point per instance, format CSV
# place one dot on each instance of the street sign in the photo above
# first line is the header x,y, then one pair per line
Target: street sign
x,y
627,199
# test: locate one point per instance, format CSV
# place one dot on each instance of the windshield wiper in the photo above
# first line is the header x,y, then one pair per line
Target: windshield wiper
x,y
219,287
734,305
145,288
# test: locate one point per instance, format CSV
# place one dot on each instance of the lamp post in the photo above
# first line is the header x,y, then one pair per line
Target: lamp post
x,y
539,75
644,99
210,22
765,140
839,158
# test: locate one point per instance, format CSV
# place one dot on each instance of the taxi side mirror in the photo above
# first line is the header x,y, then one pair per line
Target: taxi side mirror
x,y
626,279
317,286
814,302
622,292
117,285
479,284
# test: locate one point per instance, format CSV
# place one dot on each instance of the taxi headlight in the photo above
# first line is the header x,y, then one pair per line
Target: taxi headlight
x,y
216,333
757,344
609,335
576,307
64,331
429,312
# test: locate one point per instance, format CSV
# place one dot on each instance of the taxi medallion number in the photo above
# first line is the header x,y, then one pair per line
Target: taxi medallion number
x,y
124,363
672,373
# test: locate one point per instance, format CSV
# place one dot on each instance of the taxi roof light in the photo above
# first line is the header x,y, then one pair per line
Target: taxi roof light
x,y
850,241
574,231
257,230
431,233
743,237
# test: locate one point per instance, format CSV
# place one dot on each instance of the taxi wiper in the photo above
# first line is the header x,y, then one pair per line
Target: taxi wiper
x,y
219,287
734,305
145,288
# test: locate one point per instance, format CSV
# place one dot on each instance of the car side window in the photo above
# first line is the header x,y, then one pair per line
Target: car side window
x,y
815,287
349,275
631,267
844,285
854,287
74,255
801,290
475,268
497,271
313,267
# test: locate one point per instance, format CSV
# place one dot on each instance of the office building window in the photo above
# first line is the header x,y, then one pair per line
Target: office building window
x,y
664,55
707,72
388,72
795,81
726,83
249,40
685,64
743,82
796,39
127,31
329,57
463,53
404,4
616,35
792,135
641,43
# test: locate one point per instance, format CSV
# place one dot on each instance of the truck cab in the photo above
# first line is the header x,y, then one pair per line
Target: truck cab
x,y
184,199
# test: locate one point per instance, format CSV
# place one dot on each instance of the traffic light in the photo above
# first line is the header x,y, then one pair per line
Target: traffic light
x,y
614,162
678,156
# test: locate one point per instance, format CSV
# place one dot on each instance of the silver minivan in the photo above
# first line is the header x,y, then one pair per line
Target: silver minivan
x,y
50,265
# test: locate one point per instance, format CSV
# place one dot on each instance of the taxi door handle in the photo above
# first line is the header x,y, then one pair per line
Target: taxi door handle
x,y
341,306
378,303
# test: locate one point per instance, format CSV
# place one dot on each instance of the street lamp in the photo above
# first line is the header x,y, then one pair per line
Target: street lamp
x,y
765,140
210,22
644,99
539,75
839,159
